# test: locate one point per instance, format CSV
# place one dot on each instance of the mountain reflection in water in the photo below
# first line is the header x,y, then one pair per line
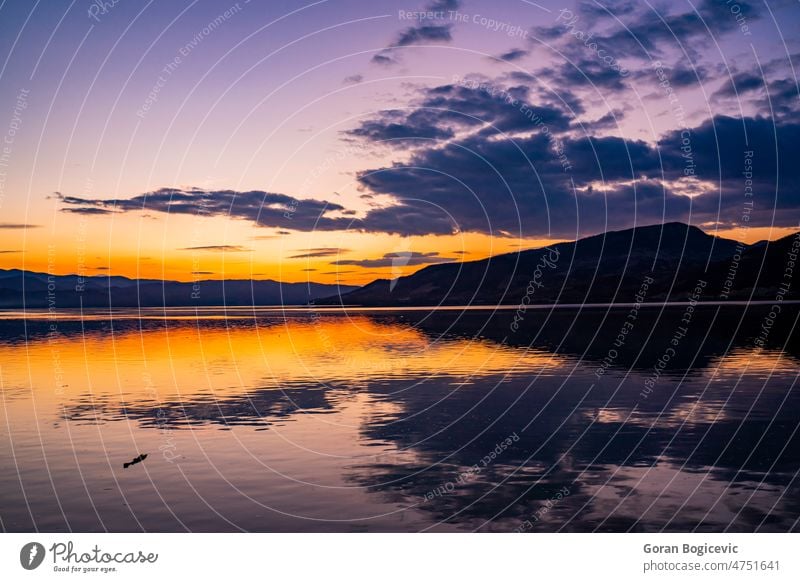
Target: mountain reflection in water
x,y
403,420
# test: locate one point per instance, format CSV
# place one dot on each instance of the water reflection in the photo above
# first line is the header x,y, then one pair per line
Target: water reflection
x,y
400,421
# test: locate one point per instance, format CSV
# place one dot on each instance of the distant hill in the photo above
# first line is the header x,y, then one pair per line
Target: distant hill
x,y
605,268
104,291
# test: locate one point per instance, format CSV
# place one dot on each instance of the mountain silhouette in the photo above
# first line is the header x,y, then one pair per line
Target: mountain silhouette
x,y
676,261
37,290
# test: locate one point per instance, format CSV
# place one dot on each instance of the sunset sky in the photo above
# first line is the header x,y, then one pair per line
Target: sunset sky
x,y
349,140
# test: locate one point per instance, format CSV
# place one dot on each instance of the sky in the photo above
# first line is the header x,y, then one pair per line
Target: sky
x,y
342,141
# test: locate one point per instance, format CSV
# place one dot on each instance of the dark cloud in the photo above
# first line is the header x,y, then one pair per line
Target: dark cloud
x,y
641,31
320,252
518,187
353,79
219,248
647,32
607,10
685,76
514,187
403,258
88,211
383,59
680,75
608,121
718,149
11,252
513,55
439,5
17,226
264,208
424,34
442,110
739,84
394,125
546,33
783,99
586,72
202,272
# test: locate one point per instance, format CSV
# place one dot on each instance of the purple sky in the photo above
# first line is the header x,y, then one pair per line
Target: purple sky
x,y
287,126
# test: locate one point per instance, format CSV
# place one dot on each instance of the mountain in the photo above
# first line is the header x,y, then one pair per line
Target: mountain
x,y
37,290
665,262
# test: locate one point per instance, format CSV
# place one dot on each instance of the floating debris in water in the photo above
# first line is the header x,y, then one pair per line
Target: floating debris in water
x,y
135,460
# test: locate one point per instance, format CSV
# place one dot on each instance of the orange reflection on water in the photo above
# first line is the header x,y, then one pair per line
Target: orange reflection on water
x,y
185,358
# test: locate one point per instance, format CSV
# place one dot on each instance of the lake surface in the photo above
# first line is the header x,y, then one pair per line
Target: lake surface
x,y
401,420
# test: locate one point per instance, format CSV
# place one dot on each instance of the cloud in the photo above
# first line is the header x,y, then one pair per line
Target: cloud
x,y
11,252
264,208
473,179
718,149
17,226
353,79
513,55
783,99
608,10
423,34
586,73
88,211
680,75
439,5
647,33
419,34
408,258
320,252
441,111
383,59
607,121
202,272
395,126
219,249
688,76
519,188
739,84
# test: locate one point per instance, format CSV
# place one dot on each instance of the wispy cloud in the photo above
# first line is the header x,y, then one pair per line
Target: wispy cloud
x,y
424,34
17,226
320,252
264,208
513,55
219,248
436,31
90,211
390,259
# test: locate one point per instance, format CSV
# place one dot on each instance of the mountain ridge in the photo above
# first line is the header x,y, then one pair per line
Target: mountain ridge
x,y
31,289
603,268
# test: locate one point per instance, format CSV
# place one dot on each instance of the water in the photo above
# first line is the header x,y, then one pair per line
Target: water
x,y
400,420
